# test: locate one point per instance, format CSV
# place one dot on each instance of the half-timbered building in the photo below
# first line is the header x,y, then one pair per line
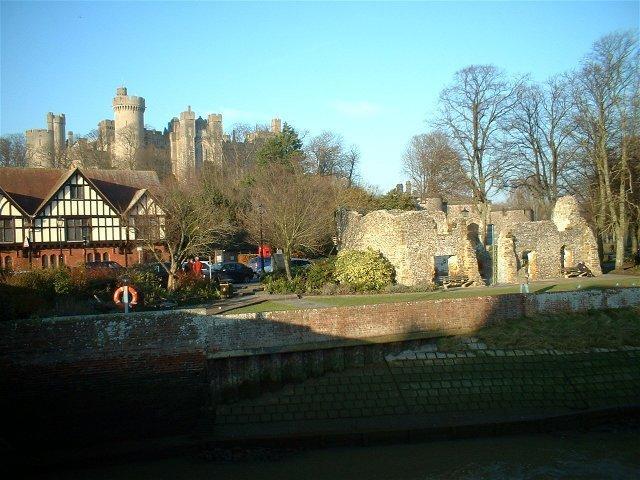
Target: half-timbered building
x,y
50,217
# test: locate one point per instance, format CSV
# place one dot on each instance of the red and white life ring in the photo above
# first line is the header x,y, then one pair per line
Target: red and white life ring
x,y
133,295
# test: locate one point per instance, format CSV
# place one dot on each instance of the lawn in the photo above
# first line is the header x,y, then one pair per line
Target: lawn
x,y
560,285
562,331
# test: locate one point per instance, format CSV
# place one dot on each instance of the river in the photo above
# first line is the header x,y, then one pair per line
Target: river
x,y
565,455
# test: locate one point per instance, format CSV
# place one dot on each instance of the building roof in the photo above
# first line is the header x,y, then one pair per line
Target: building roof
x,y
31,188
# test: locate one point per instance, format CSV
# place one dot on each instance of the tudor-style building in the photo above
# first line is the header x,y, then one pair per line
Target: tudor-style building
x,y
50,217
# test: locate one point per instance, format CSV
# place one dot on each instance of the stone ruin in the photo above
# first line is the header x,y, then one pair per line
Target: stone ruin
x,y
451,240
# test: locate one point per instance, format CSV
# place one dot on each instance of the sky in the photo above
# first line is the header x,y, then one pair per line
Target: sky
x,y
371,72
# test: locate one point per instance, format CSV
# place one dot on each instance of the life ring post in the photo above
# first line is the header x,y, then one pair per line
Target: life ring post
x,y
126,295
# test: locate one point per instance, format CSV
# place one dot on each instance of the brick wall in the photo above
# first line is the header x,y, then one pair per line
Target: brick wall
x,y
107,377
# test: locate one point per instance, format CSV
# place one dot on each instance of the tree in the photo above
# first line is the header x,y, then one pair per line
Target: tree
x,y
473,113
434,166
538,141
196,220
284,148
327,155
606,96
296,210
13,150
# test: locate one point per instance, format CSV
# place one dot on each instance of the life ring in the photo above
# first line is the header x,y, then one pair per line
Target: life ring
x,y
119,293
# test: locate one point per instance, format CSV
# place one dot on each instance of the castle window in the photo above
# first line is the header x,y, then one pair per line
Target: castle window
x,y
77,229
7,232
76,192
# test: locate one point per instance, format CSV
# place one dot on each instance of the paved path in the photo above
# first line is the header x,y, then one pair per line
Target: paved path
x,y
433,389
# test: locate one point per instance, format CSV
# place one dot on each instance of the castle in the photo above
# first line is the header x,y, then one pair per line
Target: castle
x,y
190,142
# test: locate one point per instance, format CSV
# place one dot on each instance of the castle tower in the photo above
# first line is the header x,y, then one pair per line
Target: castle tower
x,y
183,145
128,114
39,148
45,147
214,138
59,135
276,125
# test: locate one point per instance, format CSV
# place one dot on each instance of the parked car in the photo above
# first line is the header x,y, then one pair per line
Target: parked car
x,y
233,272
254,263
158,269
111,265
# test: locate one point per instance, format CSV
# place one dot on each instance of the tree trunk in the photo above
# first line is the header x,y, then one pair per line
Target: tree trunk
x,y
634,232
172,280
287,264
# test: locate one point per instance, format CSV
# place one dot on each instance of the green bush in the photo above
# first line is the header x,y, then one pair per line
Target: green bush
x,y
194,290
148,285
321,273
364,270
277,283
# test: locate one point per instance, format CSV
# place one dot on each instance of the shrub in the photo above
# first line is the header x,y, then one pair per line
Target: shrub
x,y
39,281
148,284
364,270
193,290
277,282
321,273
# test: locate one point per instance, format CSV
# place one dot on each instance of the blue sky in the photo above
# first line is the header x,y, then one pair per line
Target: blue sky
x,y
371,72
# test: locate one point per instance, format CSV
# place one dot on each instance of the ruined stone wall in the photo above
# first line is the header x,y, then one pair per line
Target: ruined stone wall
x,y
410,241
566,235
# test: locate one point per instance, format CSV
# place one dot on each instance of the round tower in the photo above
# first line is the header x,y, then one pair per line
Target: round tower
x,y
59,123
128,116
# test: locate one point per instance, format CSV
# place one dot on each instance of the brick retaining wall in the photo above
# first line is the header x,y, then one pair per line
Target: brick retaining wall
x,y
151,374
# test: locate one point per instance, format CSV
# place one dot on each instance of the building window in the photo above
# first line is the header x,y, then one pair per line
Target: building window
x,y
45,261
146,227
76,192
8,262
105,257
78,229
89,257
7,232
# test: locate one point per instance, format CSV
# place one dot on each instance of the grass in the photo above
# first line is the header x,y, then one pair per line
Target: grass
x,y
569,332
371,299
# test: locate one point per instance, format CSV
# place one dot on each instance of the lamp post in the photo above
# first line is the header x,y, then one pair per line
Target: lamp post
x,y
85,242
260,248
27,241
60,225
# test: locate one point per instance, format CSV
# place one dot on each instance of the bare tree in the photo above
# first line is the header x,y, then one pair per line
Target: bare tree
x,y
606,92
325,154
434,166
196,219
473,113
351,162
297,209
538,141
13,150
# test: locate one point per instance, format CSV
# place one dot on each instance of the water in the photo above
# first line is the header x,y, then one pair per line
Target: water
x,y
590,455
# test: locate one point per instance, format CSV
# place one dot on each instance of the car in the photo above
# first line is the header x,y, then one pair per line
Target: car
x,y
300,262
111,265
158,269
254,264
233,272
